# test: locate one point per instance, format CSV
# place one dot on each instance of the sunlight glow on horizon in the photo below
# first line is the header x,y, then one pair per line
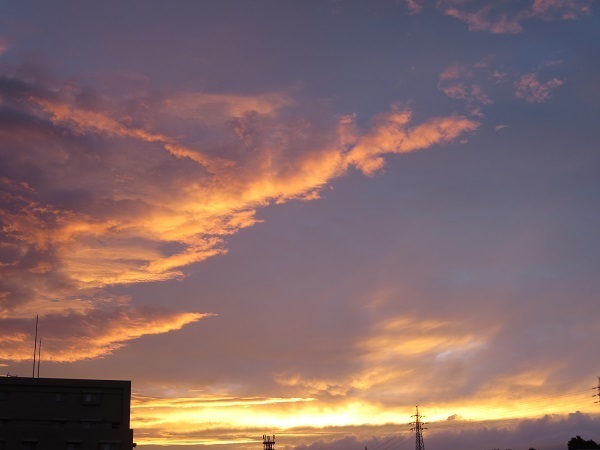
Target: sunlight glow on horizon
x,y
283,416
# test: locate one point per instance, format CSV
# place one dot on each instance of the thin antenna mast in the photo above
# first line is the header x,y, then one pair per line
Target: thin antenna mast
x,y
418,429
35,345
39,357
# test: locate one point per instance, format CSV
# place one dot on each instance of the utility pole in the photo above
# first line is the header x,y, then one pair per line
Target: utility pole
x,y
417,427
598,392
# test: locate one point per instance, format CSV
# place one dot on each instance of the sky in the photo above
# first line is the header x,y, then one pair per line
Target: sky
x,y
305,218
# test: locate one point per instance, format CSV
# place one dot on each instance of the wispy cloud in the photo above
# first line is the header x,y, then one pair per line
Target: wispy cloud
x,y
393,133
530,89
73,336
101,192
414,6
471,84
487,18
502,18
560,9
458,81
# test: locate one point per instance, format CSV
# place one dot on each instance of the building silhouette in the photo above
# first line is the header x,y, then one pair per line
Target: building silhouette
x,y
70,414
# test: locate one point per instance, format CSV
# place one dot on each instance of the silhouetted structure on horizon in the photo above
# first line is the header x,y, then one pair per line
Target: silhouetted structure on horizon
x,y
268,442
418,429
58,413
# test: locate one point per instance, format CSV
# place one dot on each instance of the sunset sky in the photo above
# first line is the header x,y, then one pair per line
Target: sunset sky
x,y
308,217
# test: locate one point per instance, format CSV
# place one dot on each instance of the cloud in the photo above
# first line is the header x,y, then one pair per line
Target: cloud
x,y
457,81
414,6
99,192
561,9
206,419
471,84
488,18
72,336
391,133
500,18
530,89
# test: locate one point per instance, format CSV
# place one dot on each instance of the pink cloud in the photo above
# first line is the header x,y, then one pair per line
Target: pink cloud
x,y
561,9
494,18
456,81
458,90
414,6
484,20
530,89
454,72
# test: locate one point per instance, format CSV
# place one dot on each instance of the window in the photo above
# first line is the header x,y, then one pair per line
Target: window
x,y
88,424
3,395
116,425
110,446
60,397
29,445
91,398
59,423
74,446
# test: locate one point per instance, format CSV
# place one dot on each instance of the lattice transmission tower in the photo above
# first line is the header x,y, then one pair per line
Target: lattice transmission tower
x,y
417,427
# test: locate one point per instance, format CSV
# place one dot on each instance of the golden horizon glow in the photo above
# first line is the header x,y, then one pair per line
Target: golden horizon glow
x,y
201,416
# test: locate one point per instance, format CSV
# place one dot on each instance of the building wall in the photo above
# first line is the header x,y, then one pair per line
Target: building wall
x,y
53,413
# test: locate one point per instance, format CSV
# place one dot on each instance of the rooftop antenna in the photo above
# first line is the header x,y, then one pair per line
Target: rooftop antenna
x,y
39,357
35,345
268,442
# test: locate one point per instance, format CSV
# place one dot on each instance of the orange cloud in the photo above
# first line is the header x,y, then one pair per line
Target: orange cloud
x,y
216,108
93,334
391,134
129,198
